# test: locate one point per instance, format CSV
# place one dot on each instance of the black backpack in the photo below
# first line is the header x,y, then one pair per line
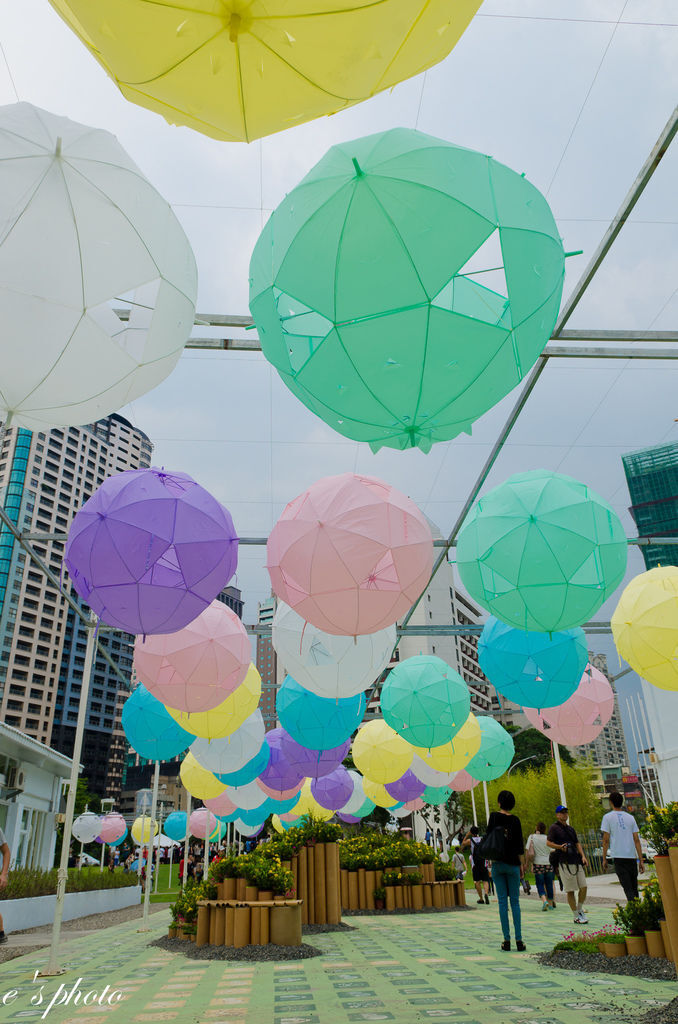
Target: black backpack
x,y
493,845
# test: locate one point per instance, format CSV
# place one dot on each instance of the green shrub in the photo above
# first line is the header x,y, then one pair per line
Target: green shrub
x,y
376,850
26,883
661,826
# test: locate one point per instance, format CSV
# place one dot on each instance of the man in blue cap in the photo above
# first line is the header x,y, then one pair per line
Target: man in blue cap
x,y
571,862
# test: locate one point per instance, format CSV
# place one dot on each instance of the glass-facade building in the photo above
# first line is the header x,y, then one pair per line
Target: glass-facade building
x,y
652,479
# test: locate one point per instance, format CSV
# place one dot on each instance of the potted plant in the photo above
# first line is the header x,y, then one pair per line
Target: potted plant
x,y
613,943
654,914
379,897
632,920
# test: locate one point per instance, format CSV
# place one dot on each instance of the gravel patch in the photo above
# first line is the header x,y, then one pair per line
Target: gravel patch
x,y
649,967
261,953
661,1014
321,929
404,910
12,952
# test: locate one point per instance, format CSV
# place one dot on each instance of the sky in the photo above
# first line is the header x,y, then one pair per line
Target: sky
x,y
573,93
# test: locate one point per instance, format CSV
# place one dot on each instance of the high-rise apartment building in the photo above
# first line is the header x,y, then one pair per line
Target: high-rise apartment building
x,y
44,479
652,479
269,669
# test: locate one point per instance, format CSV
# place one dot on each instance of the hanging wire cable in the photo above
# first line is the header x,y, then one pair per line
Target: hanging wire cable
x,y
9,71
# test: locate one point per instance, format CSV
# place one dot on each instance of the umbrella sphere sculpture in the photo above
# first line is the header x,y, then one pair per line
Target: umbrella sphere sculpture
x,y
645,626
541,551
240,69
150,729
196,668
495,754
351,554
227,716
532,669
314,721
380,753
425,701
328,665
113,242
581,718
229,754
367,304
150,550
86,827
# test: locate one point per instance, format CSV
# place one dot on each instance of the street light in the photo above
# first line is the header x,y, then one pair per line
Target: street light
x,y
522,761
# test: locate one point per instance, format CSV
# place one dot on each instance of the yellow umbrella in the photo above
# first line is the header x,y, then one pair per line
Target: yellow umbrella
x,y
240,69
380,753
307,804
645,626
378,794
227,716
199,782
455,755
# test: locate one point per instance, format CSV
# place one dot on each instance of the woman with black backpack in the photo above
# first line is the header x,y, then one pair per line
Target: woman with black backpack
x,y
504,846
481,876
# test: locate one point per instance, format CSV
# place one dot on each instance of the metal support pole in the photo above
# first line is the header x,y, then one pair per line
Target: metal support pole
x,y
487,804
559,773
103,854
53,967
473,807
169,883
157,855
186,838
149,858
206,861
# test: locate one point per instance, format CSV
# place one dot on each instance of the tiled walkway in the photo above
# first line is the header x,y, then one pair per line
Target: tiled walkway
x,y
407,969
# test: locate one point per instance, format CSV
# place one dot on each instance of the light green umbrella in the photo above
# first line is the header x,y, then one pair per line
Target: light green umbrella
x,y
425,700
496,751
365,301
541,551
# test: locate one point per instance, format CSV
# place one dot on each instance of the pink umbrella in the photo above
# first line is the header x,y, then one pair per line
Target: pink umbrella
x,y
112,827
413,805
196,668
350,555
581,718
463,782
280,794
202,823
221,804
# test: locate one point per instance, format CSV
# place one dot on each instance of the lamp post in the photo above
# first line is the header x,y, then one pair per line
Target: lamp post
x,y
522,761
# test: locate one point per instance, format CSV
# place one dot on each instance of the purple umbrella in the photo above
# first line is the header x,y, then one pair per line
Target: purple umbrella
x,y
334,790
407,787
313,764
280,773
348,819
151,550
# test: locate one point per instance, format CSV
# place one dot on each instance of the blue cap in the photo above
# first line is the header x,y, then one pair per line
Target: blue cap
x,y
560,808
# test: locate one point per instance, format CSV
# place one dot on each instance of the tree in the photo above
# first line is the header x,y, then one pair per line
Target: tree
x,y
532,744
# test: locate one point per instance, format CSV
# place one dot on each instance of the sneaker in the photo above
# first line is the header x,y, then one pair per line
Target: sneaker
x,y
544,906
583,919
3,938
579,919
481,900
487,900
506,945
553,904
520,946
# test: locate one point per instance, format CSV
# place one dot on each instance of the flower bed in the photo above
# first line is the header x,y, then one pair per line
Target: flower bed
x,y
27,883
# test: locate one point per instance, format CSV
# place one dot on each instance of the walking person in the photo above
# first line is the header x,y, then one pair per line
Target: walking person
x,y
479,872
539,855
458,863
571,862
508,866
620,837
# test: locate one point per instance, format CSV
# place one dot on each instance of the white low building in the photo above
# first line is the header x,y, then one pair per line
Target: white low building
x,y
32,778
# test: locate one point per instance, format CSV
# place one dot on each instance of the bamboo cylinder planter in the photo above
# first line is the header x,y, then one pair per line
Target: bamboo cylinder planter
x,y
344,889
353,892
666,939
399,899
172,933
251,893
240,887
255,926
655,945
370,886
241,927
320,885
230,926
220,926
670,901
310,883
390,897
265,896
636,945
362,888
417,897
332,884
428,894
302,891
229,885
221,890
438,895
613,949
203,929
264,925
285,925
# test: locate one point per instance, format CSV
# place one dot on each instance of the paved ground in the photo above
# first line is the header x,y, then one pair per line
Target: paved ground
x,y
408,970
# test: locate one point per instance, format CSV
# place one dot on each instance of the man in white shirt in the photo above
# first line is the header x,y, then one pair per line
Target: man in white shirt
x,y
620,837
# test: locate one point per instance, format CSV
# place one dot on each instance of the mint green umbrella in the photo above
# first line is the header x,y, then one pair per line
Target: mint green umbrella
x,y
361,288
541,551
425,700
496,751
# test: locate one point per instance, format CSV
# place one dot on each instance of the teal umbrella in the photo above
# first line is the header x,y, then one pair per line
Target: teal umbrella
x,y
541,551
496,751
425,700
436,795
373,299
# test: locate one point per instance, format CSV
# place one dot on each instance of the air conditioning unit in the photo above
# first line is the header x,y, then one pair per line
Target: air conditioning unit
x,y
19,780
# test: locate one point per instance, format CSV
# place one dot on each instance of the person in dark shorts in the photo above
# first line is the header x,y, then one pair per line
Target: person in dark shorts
x,y
481,876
